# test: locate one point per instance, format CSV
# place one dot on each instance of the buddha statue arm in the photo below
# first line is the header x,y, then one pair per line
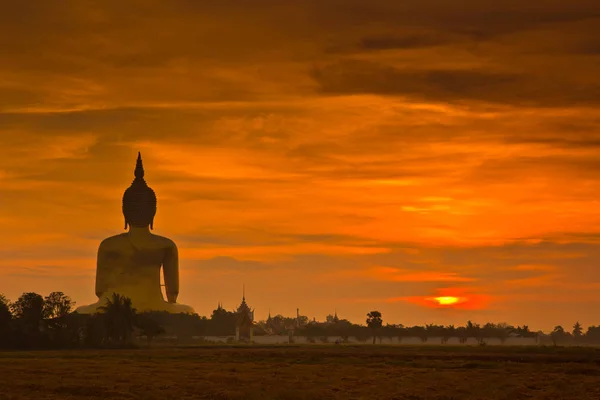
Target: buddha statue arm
x,y
101,271
171,273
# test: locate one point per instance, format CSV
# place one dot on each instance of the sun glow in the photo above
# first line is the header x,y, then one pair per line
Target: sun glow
x,y
446,300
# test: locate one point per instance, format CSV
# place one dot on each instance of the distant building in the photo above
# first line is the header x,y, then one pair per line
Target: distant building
x,y
244,328
332,319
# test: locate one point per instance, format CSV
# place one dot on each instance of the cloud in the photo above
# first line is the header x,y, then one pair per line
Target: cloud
x,y
230,265
403,275
452,85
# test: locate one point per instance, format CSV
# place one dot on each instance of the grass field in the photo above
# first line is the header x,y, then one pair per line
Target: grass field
x,y
304,372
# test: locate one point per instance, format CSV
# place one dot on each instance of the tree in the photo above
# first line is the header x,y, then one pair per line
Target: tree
x,y
302,320
5,320
524,332
577,330
29,307
57,305
63,328
487,331
28,312
222,322
148,326
462,334
374,322
592,335
433,330
119,316
503,331
5,314
474,331
448,332
558,334
389,331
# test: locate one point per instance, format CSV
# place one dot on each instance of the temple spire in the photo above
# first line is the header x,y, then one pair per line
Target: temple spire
x,y
244,292
139,167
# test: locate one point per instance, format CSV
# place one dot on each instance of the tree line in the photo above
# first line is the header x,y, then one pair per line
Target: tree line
x,y
34,321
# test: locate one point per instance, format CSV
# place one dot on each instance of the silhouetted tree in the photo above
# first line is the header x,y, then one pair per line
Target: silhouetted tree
x,y
149,327
183,326
313,330
28,312
474,331
503,331
63,328
488,331
361,335
57,305
302,320
119,316
462,334
592,335
29,306
389,331
94,330
222,322
447,333
5,314
577,330
374,322
432,330
523,331
558,334
5,320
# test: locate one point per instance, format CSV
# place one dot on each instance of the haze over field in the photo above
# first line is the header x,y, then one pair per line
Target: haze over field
x,y
341,154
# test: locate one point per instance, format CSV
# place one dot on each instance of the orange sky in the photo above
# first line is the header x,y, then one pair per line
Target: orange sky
x,y
350,155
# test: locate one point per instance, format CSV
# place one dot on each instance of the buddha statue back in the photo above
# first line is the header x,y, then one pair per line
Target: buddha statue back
x,y
130,264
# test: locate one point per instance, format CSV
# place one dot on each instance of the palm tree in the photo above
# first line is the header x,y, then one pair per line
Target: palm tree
x,y
119,318
374,321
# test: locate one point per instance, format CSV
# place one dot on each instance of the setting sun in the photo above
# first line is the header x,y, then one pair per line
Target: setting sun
x,y
446,300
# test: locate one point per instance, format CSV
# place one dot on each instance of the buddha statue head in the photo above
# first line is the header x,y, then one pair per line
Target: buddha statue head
x,y
139,200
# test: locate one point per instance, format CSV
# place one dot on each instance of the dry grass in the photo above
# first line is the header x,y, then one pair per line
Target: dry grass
x,y
304,372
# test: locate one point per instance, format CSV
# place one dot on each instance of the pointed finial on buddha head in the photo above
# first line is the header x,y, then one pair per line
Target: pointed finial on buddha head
x,y
139,200
139,167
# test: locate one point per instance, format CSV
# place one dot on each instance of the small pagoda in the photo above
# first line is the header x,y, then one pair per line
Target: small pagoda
x,y
244,326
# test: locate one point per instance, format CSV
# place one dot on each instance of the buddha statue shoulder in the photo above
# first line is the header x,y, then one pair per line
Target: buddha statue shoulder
x,y
130,264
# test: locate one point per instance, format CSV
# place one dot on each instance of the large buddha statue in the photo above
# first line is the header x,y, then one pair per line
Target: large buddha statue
x,y
130,263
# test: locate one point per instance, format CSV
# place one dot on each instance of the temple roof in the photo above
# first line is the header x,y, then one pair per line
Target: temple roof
x,y
245,314
243,307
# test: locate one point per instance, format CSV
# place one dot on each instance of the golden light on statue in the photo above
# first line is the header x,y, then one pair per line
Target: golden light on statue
x,y
130,264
